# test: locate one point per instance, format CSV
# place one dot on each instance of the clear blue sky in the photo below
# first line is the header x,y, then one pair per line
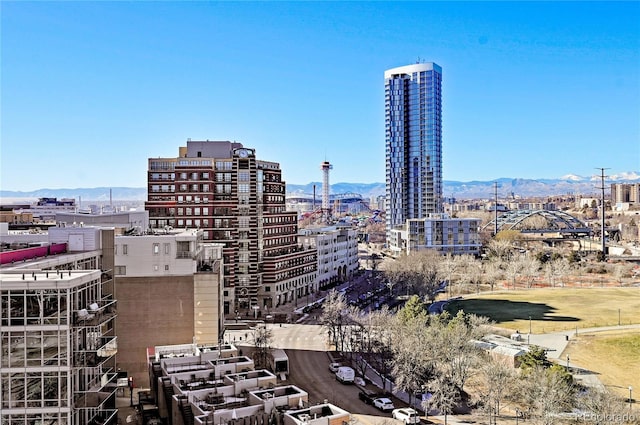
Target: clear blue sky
x,y
90,90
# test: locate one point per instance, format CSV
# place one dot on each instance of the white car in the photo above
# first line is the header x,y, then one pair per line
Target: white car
x,y
406,415
333,367
384,404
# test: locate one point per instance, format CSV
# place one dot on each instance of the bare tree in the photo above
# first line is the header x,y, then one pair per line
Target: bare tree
x,y
500,248
374,341
451,338
413,360
513,270
418,271
471,270
335,317
601,407
492,272
530,269
262,338
497,379
448,266
557,267
444,396
620,271
547,392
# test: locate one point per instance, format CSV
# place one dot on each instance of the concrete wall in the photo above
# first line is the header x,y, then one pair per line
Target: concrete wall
x,y
152,311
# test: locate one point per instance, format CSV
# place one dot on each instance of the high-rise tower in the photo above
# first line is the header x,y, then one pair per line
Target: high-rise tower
x,y
413,134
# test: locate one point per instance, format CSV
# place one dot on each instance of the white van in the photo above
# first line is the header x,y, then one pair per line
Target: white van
x,y
345,374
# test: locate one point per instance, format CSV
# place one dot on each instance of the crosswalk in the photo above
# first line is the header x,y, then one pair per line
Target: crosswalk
x,y
289,336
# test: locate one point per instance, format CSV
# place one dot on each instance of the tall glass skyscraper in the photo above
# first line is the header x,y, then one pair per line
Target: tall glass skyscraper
x,y
413,124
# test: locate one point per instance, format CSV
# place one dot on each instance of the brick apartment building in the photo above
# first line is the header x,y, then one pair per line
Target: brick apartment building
x,y
238,200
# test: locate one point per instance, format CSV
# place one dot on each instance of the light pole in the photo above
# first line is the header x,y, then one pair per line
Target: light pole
x,y
630,397
567,362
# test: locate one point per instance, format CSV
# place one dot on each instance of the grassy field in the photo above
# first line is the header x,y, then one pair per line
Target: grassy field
x,y
615,356
555,309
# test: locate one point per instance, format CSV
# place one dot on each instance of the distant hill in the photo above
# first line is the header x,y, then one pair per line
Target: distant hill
x,y
569,184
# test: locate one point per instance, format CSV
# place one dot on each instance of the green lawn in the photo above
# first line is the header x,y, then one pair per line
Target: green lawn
x,y
555,309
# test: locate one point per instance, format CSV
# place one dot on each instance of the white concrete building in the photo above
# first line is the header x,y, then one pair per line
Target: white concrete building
x,y
337,249
439,232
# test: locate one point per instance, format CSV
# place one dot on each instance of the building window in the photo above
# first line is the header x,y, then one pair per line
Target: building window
x,y
166,267
167,248
125,249
156,249
155,268
120,270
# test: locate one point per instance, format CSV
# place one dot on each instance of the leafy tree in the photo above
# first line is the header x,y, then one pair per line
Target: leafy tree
x,y
535,357
414,309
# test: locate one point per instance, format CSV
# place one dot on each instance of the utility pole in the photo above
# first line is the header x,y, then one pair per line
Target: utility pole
x,y
604,245
495,208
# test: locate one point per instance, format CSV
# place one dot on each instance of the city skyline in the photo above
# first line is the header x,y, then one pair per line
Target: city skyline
x,y
530,90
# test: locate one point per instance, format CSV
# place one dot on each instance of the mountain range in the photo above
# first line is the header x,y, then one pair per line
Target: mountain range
x,y
569,184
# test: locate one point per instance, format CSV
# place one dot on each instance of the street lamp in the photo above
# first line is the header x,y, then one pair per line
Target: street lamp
x,y
567,362
630,397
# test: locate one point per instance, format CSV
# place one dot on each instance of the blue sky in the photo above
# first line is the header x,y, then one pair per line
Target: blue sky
x,y
91,90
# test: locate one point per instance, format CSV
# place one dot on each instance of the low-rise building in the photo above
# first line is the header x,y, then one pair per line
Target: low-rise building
x,y
438,232
337,249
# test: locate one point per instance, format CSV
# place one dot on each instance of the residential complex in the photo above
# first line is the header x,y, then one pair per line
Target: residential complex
x,y
625,193
216,384
237,200
438,232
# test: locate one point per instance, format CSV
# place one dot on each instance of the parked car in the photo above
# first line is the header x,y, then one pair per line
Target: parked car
x,y
367,396
406,415
384,404
345,374
333,367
